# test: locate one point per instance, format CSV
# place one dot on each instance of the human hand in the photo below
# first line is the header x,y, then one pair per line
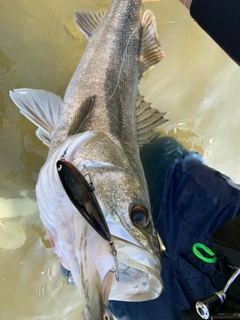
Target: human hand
x,y
187,3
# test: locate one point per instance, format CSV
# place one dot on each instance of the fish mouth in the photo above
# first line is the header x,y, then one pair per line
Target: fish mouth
x,y
139,274
137,271
138,278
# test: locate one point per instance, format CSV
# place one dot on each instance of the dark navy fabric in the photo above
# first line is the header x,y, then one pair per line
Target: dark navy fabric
x,y
190,201
220,19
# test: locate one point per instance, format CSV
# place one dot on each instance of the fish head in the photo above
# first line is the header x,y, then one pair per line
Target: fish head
x,y
125,206
128,267
121,190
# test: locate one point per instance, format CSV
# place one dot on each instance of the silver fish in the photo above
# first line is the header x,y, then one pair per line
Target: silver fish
x,y
98,127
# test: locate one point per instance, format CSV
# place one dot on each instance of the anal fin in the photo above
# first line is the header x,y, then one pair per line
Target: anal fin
x,y
151,52
147,119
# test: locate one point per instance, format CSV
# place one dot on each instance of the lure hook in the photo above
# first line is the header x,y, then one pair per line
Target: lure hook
x,y
114,253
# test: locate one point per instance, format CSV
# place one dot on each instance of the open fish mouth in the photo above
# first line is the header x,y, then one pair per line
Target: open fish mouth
x,y
139,270
139,274
138,278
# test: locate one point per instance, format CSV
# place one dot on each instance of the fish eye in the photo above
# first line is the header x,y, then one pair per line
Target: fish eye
x,y
139,216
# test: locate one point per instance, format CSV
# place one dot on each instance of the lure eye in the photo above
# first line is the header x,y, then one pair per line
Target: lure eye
x,y
139,216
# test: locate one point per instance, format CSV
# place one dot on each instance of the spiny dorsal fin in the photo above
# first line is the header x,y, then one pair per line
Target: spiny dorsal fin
x,y
147,120
42,108
89,21
151,52
81,115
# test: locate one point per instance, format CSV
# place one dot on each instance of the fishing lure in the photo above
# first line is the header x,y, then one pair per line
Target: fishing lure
x,y
81,193
82,196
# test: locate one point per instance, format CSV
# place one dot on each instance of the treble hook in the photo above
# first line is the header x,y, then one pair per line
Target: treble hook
x,y
114,253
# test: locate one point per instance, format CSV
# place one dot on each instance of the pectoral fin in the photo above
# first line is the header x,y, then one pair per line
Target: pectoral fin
x,y
89,21
147,120
151,52
82,114
40,107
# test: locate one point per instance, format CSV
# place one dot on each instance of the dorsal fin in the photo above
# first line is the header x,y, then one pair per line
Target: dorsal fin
x,y
81,115
147,120
89,21
42,108
151,52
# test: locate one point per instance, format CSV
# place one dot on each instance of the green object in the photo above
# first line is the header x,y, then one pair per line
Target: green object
x,y
206,250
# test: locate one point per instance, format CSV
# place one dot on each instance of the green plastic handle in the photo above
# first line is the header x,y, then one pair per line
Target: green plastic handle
x,y
205,249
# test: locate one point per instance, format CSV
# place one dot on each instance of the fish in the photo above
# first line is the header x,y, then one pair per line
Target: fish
x,y
95,132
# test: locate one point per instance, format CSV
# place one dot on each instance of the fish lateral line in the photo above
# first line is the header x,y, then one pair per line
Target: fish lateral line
x,y
81,194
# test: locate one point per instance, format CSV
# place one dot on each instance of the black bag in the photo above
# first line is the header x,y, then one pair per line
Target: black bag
x,y
226,244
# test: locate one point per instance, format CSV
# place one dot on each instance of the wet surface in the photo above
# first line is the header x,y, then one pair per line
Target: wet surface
x,y
40,47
